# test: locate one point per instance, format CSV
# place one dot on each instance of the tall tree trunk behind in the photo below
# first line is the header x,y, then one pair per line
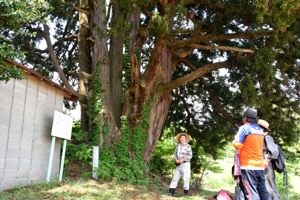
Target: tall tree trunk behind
x,y
85,66
101,60
116,64
144,87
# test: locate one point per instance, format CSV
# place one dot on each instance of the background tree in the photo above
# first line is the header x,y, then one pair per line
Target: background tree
x,y
136,57
14,15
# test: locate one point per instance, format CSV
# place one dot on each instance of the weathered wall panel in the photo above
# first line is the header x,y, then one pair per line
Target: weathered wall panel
x,y
27,109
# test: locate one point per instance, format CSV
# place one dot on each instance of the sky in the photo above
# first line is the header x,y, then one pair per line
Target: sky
x,y
74,113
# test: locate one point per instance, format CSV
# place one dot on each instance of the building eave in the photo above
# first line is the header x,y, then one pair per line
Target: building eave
x,y
32,73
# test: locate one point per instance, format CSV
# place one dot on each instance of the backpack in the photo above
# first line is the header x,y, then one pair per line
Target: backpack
x,y
279,166
223,195
279,163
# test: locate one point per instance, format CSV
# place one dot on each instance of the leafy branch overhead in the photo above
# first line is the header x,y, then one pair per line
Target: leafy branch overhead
x,y
196,64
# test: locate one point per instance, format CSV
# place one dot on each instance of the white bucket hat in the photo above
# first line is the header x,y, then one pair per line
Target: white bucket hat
x,y
264,124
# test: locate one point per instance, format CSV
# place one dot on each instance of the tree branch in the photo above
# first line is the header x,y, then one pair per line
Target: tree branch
x,y
58,42
218,105
149,75
55,61
214,98
194,75
81,10
62,40
185,105
209,38
186,51
221,48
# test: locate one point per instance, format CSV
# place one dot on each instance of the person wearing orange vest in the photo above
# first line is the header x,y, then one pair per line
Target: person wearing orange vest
x,y
249,142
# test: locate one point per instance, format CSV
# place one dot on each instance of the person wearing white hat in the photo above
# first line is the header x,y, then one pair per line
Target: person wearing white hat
x,y
182,156
271,152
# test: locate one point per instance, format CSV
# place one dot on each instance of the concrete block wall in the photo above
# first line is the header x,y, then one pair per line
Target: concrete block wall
x,y
27,109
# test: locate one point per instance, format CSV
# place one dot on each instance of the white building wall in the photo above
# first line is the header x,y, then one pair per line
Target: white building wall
x,y
26,115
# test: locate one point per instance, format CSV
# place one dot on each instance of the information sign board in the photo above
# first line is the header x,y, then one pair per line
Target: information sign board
x,y
62,126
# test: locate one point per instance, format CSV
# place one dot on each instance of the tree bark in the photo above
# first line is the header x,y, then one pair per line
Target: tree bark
x,y
144,85
116,64
84,62
101,60
159,103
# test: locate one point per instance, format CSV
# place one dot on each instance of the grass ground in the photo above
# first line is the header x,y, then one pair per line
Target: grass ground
x,y
88,189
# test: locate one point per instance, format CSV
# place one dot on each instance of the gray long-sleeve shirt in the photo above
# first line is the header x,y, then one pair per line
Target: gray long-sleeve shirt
x,y
270,148
183,151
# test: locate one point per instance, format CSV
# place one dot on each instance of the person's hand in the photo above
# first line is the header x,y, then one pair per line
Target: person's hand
x,y
266,163
178,161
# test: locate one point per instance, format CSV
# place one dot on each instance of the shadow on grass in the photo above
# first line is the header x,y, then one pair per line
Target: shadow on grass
x,y
207,194
196,194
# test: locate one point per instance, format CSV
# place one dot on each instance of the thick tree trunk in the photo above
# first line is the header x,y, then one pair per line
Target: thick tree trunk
x,y
101,61
116,65
84,62
159,104
159,107
159,100
145,86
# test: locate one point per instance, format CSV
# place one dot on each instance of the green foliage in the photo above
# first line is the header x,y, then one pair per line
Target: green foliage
x,y
293,170
94,110
267,79
120,27
79,148
124,4
124,160
162,161
9,71
160,25
205,162
140,134
279,12
14,15
81,152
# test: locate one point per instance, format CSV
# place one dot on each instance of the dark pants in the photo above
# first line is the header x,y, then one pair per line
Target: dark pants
x,y
255,184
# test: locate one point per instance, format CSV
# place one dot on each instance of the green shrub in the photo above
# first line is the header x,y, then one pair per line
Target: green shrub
x,y
79,148
124,160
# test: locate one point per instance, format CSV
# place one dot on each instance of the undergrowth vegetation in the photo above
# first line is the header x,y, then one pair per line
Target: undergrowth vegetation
x,y
209,174
156,186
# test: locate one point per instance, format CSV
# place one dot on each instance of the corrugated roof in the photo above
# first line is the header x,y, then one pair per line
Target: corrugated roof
x,y
29,72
